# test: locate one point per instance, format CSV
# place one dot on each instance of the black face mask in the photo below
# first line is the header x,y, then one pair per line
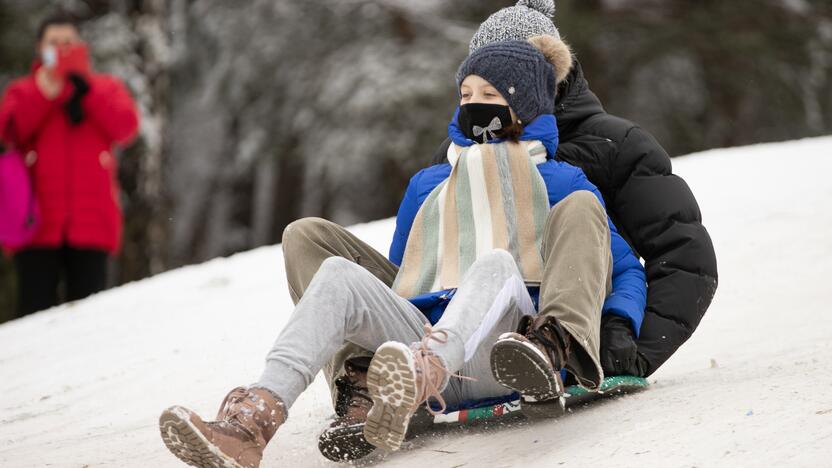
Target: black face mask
x,y
483,122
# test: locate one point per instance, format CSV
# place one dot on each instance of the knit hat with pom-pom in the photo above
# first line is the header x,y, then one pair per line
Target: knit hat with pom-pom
x,y
526,19
521,73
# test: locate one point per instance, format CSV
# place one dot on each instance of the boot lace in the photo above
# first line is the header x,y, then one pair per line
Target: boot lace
x,y
429,389
235,407
559,351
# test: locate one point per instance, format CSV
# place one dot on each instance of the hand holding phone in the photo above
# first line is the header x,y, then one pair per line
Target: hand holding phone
x,y
74,59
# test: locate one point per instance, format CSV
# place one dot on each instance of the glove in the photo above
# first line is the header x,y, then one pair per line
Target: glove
x,y
619,353
73,109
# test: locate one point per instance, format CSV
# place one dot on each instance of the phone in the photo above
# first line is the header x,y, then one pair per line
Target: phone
x,y
49,56
73,59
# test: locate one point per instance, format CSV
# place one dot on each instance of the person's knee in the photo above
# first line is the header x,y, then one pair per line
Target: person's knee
x,y
304,229
580,202
338,278
338,267
497,259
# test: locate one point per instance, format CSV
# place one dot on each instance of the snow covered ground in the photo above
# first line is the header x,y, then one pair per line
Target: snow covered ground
x,y
83,384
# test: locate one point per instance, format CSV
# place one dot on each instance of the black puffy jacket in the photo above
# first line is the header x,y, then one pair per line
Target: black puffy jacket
x,y
651,207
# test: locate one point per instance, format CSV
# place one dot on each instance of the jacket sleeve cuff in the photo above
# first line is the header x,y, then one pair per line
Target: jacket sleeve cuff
x,y
623,307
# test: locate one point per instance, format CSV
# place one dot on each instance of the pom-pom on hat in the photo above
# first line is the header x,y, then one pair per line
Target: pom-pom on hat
x,y
529,19
519,71
526,19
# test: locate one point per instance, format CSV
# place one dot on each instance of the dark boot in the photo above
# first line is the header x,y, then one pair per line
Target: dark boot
x,y
529,362
246,421
344,439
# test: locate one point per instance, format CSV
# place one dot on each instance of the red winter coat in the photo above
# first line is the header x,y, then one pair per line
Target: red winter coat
x,y
73,168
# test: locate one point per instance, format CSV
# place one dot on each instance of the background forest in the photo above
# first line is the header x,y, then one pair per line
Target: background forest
x,y
259,112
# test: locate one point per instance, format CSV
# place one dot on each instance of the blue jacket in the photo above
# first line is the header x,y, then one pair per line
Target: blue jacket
x,y
629,295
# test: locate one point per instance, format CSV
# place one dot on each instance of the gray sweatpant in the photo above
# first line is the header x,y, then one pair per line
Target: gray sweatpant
x,y
576,280
346,303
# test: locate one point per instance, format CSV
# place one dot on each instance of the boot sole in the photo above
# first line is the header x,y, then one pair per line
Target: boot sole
x,y
187,442
344,444
391,381
521,367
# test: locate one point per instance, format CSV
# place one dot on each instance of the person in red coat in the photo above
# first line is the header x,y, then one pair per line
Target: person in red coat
x,y
67,124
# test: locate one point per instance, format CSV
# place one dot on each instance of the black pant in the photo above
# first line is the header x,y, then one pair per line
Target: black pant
x,y
40,273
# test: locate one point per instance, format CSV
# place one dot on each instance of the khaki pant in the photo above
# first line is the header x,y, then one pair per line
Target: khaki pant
x,y
307,243
576,276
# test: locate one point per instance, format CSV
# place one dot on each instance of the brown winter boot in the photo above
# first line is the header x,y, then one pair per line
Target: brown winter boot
x,y
344,439
529,362
246,421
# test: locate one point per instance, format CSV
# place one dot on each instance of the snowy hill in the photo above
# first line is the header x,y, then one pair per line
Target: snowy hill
x,y
83,384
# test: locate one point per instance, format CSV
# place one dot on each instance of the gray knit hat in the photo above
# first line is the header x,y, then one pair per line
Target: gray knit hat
x,y
519,71
527,19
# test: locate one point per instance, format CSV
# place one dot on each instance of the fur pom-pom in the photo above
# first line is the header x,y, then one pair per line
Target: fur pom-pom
x,y
556,52
547,7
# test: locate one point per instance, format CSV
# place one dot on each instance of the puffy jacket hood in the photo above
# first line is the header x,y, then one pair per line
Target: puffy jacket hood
x,y
575,102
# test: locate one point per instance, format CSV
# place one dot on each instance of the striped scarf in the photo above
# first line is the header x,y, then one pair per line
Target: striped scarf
x,y
494,198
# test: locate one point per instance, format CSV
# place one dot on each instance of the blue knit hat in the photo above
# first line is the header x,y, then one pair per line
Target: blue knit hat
x,y
519,71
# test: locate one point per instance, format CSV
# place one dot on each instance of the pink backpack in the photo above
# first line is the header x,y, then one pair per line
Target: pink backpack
x,y
19,214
